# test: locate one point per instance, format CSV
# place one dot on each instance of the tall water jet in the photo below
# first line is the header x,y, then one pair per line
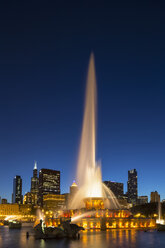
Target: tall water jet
x,y
89,177
159,210
86,158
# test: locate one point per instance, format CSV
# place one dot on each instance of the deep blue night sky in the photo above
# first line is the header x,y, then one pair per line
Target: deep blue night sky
x,y
44,52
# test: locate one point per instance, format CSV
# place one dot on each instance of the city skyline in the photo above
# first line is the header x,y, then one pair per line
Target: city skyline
x,y
43,84
116,186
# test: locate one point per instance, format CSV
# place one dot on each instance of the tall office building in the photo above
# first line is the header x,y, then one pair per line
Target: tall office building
x,y
35,185
155,197
17,190
49,183
132,186
116,188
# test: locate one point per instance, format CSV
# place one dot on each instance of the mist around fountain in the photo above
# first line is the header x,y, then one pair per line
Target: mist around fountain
x,y
89,176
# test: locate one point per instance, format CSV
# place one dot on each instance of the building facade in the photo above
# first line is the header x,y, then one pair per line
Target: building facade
x,y
15,209
142,199
49,183
155,197
116,188
132,186
9,209
66,195
52,202
25,209
17,190
30,198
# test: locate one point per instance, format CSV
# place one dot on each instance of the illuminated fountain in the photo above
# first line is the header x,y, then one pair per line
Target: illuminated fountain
x,y
92,204
92,192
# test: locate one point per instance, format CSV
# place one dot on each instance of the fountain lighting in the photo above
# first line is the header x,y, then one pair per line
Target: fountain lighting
x,y
89,176
12,217
40,215
160,221
80,216
92,204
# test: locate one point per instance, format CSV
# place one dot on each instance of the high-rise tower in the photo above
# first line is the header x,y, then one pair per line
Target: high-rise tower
x,y
17,190
34,180
132,186
155,197
35,184
49,183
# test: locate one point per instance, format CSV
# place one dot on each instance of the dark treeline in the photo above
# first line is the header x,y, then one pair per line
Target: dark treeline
x,y
148,209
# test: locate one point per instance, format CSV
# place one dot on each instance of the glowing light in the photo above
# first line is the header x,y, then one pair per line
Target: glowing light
x,y
78,217
89,175
137,215
160,221
13,217
85,224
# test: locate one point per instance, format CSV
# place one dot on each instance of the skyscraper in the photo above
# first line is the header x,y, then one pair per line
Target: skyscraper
x,y
34,185
17,190
155,197
49,183
132,187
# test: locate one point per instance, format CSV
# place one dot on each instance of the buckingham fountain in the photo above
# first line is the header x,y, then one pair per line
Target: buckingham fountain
x,y
94,205
91,189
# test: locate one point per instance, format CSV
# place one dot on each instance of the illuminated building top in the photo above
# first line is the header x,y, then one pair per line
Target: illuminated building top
x,y
35,165
74,184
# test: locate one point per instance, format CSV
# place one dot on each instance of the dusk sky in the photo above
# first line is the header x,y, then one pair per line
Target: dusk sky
x,y
44,54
